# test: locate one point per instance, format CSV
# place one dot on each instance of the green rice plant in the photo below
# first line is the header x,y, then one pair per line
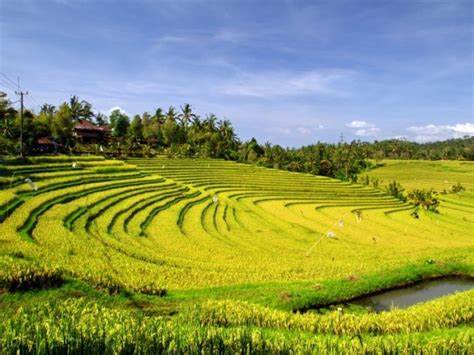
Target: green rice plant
x,y
273,241
22,275
80,327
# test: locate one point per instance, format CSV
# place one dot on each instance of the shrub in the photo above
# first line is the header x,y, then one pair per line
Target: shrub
x,y
457,188
375,183
425,199
396,190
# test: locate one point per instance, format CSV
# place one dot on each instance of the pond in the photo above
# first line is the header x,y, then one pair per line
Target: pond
x,y
420,292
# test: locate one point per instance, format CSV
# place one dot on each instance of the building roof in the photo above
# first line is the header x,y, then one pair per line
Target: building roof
x,y
84,124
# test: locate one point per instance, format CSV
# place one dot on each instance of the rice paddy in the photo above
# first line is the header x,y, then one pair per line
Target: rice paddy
x,y
233,248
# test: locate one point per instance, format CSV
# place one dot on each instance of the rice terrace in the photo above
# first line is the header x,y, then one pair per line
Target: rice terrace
x,y
218,251
236,177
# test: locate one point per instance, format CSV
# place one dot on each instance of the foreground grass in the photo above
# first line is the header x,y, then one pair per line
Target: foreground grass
x,y
81,326
288,296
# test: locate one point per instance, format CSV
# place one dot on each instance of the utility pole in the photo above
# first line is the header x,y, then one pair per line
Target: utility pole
x,y
21,94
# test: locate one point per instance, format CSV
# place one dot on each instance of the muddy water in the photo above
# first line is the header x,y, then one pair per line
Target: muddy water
x,y
424,291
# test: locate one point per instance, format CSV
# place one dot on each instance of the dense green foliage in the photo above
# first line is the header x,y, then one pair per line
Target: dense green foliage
x,y
184,133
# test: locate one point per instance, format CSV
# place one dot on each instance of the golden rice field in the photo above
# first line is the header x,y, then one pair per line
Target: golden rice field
x,y
438,175
228,250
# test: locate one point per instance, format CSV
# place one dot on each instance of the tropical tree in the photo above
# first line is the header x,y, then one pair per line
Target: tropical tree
x,y
186,116
63,123
7,116
119,123
48,109
80,110
101,119
170,128
44,122
135,130
159,116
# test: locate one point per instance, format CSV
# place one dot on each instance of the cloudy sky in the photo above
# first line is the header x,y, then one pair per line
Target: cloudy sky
x,y
289,72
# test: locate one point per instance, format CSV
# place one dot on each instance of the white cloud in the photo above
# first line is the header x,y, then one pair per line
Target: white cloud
x,y
463,128
367,132
363,128
109,111
432,132
172,39
333,82
359,124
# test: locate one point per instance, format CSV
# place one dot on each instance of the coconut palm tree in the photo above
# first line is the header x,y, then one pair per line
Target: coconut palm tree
x,y
159,117
100,119
171,114
80,109
209,123
186,115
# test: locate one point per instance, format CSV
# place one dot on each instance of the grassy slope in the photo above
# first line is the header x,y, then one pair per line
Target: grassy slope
x,y
423,174
257,244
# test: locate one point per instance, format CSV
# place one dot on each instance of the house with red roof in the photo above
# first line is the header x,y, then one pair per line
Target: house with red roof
x,y
86,132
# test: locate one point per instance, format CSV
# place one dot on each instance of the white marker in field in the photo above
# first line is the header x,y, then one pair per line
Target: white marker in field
x,y
215,199
31,184
330,234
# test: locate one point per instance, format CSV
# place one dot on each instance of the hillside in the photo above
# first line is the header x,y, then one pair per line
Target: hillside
x,y
178,232
439,175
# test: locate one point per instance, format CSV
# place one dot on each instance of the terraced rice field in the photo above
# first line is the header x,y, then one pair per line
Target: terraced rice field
x,y
195,229
438,175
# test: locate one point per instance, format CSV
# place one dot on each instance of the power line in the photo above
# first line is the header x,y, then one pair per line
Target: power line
x,y
7,84
34,101
16,85
4,87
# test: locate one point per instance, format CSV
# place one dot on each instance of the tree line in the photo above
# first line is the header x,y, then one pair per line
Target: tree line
x,y
181,132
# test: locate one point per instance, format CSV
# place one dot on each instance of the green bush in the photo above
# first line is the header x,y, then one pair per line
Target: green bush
x,y
425,199
396,190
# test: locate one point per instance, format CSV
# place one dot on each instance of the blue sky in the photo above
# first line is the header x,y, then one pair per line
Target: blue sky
x,y
289,72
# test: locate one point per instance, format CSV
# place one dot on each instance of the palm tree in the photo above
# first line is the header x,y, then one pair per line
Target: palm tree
x,y
186,115
159,117
227,131
75,107
47,108
80,109
196,122
209,123
171,114
100,118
